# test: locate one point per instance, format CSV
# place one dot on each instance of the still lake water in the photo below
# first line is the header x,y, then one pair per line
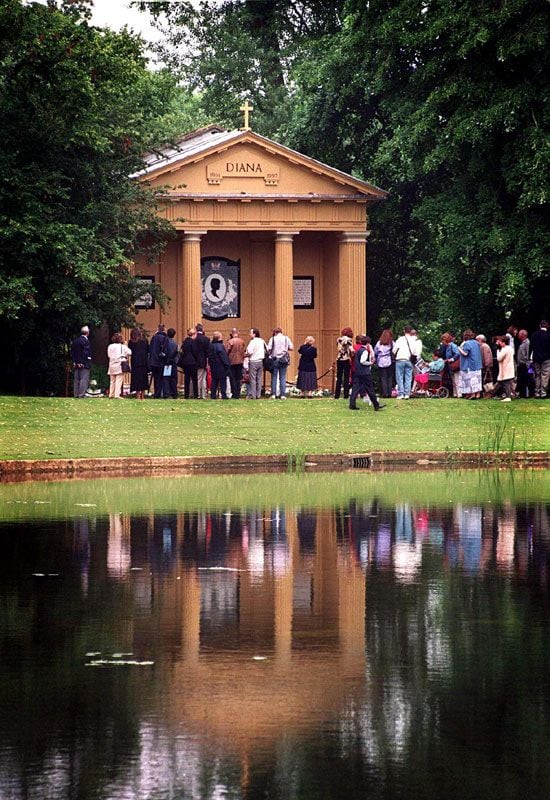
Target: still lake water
x,y
312,636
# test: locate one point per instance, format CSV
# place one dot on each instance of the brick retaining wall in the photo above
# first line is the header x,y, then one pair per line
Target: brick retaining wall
x,y
58,469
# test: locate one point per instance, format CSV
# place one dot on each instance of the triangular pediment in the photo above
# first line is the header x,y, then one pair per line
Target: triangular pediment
x,y
214,162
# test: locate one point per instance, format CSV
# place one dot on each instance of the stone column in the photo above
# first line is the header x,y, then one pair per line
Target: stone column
x,y
191,607
283,600
284,287
351,616
191,284
352,281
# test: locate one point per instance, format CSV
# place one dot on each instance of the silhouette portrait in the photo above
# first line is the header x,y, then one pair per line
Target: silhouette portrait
x,y
215,287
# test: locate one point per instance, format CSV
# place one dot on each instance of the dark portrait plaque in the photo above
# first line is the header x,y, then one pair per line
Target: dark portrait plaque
x,y
303,291
220,288
146,300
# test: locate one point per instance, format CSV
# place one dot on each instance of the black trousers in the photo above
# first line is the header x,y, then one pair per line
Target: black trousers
x,y
219,381
171,385
158,380
190,379
342,378
386,380
362,384
235,378
526,383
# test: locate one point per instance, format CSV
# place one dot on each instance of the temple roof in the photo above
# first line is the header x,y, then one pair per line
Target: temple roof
x,y
208,141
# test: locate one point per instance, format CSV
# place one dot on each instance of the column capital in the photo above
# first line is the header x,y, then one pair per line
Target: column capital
x,y
354,237
193,236
285,236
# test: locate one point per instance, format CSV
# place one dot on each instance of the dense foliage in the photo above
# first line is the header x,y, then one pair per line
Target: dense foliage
x,y
442,102
77,109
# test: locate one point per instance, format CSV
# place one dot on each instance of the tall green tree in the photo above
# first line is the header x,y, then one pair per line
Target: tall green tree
x,y
241,49
442,102
445,104
78,108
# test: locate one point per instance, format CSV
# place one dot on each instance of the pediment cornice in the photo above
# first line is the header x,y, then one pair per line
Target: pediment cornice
x,y
211,142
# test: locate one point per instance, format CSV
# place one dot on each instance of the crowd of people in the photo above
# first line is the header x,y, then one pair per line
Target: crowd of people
x,y
512,365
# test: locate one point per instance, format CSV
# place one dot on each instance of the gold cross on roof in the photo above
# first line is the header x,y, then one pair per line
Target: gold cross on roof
x,y
246,108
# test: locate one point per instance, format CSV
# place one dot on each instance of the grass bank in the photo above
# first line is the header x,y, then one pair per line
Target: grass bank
x,y
48,428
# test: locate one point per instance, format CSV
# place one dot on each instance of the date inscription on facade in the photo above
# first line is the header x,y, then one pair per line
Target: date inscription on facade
x,y
252,168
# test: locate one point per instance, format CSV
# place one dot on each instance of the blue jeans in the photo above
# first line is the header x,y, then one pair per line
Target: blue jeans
x,y
403,375
279,372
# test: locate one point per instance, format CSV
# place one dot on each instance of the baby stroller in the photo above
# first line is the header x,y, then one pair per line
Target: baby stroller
x,y
429,384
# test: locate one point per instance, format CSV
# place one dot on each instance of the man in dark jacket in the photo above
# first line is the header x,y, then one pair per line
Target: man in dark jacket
x,y
540,348
81,354
202,345
157,359
170,370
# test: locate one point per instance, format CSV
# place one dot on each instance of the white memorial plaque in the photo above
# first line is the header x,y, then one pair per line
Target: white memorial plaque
x,y
303,291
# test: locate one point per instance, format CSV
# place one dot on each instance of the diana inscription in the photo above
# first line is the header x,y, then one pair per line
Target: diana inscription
x,y
215,173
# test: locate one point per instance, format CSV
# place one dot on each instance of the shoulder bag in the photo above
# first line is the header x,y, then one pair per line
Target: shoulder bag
x,y
454,366
412,358
284,360
268,360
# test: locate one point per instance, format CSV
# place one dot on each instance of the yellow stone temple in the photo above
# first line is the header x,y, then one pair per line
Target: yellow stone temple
x,y
266,237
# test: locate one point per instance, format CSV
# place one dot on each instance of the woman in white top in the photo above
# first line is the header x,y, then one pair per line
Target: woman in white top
x,y
117,352
384,361
506,369
255,353
279,347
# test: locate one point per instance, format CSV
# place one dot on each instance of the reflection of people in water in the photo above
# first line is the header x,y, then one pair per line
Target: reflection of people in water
x,y
215,284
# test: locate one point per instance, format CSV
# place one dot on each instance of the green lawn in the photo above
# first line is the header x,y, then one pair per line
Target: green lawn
x,y
32,428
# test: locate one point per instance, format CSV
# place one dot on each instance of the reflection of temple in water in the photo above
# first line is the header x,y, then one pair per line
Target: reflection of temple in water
x,y
275,622
258,632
